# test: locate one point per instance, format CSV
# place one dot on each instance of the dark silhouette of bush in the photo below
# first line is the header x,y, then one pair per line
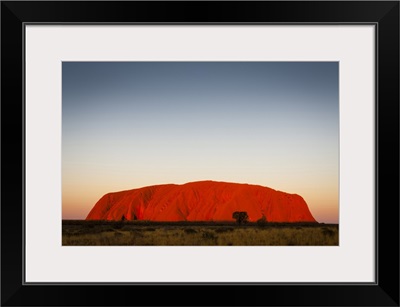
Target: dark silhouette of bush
x,y
328,232
240,216
262,221
190,230
209,235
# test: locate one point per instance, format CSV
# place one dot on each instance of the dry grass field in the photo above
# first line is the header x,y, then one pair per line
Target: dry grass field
x,y
141,233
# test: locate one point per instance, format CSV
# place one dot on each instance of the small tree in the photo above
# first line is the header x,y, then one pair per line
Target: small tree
x,y
240,216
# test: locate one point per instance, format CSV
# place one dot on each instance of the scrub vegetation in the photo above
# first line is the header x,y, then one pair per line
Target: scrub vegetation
x,y
140,233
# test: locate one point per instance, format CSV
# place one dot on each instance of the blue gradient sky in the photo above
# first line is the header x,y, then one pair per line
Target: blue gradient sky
x,y
131,124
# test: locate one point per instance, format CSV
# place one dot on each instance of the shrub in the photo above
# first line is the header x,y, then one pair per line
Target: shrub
x,y
190,230
262,221
208,235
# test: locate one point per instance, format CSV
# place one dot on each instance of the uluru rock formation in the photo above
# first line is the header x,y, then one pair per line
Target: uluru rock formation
x,y
201,201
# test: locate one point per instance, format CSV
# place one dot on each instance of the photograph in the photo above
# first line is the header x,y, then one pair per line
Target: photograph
x,y
200,153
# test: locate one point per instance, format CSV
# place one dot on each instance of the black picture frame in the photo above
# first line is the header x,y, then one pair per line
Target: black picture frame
x,y
383,14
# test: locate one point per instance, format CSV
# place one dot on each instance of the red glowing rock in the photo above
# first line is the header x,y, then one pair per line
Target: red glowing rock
x,y
201,201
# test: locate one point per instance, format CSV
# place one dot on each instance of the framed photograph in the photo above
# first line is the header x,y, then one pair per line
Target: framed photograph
x,y
200,147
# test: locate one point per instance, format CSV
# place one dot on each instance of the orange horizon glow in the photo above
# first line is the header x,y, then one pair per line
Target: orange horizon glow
x,y
77,205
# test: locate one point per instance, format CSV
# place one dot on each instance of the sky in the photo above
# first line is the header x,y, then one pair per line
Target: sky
x,y
127,125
